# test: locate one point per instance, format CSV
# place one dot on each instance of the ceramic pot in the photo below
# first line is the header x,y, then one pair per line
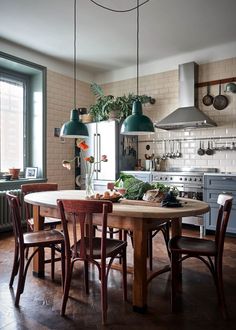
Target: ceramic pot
x,y
14,172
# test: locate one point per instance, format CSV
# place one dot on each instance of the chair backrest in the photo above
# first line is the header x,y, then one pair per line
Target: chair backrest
x,y
225,202
15,214
29,188
37,187
80,214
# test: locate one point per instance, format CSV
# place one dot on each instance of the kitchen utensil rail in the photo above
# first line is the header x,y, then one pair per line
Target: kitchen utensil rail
x,y
190,139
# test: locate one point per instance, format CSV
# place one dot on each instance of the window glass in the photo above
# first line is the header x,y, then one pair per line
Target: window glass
x,y
12,100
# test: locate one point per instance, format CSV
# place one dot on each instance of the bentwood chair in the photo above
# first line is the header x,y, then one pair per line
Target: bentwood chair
x,y
83,246
49,223
38,187
23,241
208,251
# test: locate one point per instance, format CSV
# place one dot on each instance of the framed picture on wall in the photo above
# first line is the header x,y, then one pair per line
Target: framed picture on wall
x,y
31,172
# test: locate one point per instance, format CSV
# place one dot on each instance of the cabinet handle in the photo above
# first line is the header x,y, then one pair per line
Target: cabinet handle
x,y
227,178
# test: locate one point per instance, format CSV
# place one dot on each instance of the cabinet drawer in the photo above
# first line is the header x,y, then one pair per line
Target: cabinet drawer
x,y
211,196
226,183
211,218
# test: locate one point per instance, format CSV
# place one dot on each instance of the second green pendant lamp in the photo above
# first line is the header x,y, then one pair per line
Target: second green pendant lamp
x,y
137,123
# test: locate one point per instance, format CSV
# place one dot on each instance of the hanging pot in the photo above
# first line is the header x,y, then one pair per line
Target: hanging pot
x,y
209,150
207,99
201,150
220,101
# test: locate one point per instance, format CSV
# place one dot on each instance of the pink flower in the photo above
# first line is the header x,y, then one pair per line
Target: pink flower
x,y
66,164
104,158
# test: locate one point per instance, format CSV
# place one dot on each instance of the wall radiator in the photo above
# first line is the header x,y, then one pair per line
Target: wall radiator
x,y
5,221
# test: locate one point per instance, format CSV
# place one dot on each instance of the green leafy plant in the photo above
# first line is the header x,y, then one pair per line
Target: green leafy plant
x,y
105,104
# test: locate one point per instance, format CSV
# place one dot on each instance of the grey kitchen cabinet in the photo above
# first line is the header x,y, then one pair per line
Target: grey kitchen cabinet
x,y
213,186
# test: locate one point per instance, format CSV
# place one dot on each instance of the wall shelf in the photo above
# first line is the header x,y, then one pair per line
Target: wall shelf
x,y
216,82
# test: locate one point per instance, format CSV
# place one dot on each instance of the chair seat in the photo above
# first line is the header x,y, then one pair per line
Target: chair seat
x,y
192,245
42,237
112,246
47,221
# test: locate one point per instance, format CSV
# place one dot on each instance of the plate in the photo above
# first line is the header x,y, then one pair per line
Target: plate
x,y
112,199
102,198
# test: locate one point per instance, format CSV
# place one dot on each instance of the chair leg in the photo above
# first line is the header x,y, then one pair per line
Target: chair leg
x,y
220,290
124,274
26,253
86,279
52,262
104,295
69,268
21,280
166,235
149,248
174,280
15,266
63,265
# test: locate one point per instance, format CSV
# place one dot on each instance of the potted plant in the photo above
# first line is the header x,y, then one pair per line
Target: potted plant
x,y
109,106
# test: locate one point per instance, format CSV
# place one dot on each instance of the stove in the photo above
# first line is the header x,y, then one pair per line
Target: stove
x,y
185,179
189,182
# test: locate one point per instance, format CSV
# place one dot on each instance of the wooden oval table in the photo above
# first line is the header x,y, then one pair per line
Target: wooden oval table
x,y
137,218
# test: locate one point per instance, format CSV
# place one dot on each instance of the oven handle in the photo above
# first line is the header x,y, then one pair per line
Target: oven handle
x,y
187,186
195,187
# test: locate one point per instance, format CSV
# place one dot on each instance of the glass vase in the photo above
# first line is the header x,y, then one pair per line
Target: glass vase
x,y
89,185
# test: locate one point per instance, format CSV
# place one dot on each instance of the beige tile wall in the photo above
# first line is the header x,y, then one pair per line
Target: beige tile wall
x,y
59,103
164,87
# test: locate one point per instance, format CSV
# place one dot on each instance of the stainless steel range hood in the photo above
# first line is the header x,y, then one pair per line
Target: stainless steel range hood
x,y
187,115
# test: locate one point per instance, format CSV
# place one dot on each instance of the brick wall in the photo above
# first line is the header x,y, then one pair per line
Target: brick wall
x,y
59,103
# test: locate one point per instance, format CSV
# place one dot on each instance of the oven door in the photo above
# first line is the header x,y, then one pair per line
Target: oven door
x,y
190,191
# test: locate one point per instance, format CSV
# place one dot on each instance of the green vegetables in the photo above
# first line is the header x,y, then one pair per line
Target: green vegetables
x,y
135,188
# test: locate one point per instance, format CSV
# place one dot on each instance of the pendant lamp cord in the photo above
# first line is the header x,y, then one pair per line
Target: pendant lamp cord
x,y
75,11
137,47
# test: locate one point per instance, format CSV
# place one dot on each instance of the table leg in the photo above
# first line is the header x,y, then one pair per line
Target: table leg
x,y
38,260
176,229
140,267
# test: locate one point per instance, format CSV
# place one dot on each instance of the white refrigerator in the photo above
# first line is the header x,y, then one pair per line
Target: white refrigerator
x,y
121,151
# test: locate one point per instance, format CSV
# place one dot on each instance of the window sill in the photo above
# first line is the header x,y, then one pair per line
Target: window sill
x,y
16,184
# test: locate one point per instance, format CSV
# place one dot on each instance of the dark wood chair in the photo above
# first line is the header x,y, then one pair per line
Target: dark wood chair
x,y
208,251
23,241
29,188
49,223
84,246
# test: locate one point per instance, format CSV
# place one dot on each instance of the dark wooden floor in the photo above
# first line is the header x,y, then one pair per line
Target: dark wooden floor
x,y
40,302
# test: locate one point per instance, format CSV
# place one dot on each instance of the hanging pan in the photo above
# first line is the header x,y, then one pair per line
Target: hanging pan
x,y
220,101
207,99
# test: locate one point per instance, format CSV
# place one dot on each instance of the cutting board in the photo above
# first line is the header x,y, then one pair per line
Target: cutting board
x,y
138,202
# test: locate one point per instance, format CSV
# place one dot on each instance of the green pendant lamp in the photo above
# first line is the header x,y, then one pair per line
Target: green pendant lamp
x,y
137,123
74,128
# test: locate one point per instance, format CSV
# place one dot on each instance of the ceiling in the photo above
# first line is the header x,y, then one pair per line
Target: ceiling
x,y
107,40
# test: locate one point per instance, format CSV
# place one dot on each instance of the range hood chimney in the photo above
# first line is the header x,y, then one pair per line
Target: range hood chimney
x,y
187,115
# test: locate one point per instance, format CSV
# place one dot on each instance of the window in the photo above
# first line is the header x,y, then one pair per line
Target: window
x,y
22,115
12,118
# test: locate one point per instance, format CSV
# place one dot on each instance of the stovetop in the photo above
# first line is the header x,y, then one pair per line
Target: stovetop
x,y
183,175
